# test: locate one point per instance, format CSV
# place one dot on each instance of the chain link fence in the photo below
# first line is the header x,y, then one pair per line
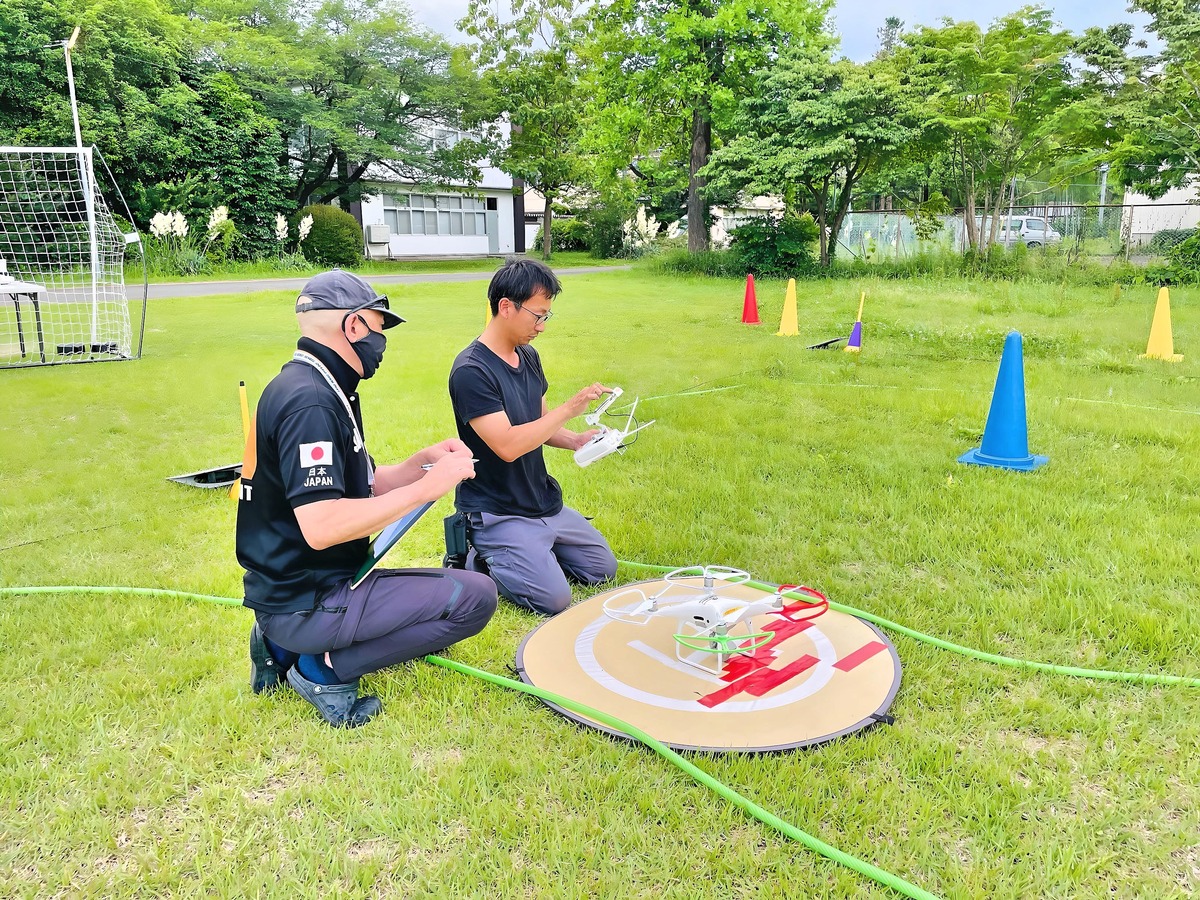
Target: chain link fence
x,y
1139,233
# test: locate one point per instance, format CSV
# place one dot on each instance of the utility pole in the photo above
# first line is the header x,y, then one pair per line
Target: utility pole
x,y
1103,192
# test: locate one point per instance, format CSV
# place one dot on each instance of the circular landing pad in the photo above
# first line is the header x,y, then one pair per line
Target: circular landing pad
x,y
814,680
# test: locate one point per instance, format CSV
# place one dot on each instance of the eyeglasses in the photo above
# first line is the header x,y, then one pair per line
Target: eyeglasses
x,y
539,319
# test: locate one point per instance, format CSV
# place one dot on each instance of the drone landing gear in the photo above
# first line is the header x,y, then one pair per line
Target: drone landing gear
x,y
723,646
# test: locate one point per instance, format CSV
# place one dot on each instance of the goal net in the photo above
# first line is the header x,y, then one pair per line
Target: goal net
x,y
62,256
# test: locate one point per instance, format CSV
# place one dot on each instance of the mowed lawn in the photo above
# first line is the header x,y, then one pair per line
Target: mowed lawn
x,y
134,760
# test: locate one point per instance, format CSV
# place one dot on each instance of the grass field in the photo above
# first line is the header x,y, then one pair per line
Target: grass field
x,y
134,761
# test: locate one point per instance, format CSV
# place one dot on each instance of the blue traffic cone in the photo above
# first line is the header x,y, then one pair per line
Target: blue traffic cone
x,y
1005,436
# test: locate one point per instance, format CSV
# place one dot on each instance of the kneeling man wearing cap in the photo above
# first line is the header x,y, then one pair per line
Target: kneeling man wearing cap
x,y
311,497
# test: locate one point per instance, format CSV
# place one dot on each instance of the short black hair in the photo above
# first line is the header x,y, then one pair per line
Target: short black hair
x,y
519,279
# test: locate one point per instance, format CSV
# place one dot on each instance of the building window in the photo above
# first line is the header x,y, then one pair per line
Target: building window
x,y
450,214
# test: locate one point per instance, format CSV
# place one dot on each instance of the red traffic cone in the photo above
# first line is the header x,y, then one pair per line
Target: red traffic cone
x,y
750,307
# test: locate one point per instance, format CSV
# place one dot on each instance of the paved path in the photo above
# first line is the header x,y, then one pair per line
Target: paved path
x,y
212,288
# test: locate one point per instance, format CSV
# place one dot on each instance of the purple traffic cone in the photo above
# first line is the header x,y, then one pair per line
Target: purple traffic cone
x,y
854,344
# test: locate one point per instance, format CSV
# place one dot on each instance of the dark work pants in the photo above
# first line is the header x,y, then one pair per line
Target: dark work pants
x,y
533,561
395,615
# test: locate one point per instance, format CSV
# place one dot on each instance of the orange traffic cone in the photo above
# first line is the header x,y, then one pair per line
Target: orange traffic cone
x,y
750,306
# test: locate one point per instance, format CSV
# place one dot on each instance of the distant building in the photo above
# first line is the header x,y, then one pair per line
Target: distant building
x,y
1177,209
402,219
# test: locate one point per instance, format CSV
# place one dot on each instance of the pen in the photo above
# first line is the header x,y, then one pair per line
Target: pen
x,y
428,466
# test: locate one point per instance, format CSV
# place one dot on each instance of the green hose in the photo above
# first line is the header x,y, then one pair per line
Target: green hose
x,y
748,806
1099,674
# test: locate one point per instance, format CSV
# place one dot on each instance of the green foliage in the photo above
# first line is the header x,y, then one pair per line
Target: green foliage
x,y
1000,103
665,78
1164,240
606,224
1151,101
1182,265
713,263
336,240
780,247
812,131
569,235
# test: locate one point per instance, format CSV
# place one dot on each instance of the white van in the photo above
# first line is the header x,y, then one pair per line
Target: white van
x,y
1033,231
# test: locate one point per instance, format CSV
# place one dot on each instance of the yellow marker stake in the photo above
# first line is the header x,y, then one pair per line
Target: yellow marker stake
x,y
237,482
861,300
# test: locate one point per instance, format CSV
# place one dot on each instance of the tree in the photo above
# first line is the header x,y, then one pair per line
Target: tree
x,y
353,84
531,74
663,74
1004,102
1153,98
812,131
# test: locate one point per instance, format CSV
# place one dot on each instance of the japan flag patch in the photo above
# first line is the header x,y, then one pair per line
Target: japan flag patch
x,y
318,454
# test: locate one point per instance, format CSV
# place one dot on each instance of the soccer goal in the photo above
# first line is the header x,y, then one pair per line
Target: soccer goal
x,y
62,261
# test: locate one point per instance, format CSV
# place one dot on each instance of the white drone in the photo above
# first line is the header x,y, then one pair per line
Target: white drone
x,y
609,439
710,624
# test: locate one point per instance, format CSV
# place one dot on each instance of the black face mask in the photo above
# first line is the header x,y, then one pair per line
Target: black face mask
x,y
369,349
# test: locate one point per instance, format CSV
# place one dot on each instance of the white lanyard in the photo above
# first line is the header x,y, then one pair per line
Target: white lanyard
x,y
306,357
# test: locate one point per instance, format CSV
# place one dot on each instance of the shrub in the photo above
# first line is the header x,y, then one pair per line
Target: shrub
x,y
1163,241
607,226
1185,258
336,240
782,247
714,263
572,234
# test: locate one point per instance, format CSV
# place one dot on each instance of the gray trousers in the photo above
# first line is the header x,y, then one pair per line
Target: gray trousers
x,y
395,615
533,561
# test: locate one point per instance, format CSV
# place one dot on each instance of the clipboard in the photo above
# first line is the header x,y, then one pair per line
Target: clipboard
x,y
386,540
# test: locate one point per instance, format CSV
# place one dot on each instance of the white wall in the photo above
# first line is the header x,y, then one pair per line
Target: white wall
x,y
408,245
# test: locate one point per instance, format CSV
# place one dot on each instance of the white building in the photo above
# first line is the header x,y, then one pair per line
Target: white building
x,y
403,219
1178,208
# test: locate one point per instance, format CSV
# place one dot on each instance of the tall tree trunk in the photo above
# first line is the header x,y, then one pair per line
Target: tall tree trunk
x,y
697,208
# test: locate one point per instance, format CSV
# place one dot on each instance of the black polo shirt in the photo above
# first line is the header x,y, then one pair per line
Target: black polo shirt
x,y
303,449
482,383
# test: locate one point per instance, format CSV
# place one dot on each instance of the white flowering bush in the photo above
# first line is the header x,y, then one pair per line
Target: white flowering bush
x,y
177,249
640,232
290,259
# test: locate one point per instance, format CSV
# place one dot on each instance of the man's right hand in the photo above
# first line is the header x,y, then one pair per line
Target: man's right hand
x,y
447,472
580,402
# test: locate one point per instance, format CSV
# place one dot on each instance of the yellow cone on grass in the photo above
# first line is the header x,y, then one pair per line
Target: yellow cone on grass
x,y
787,324
1161,345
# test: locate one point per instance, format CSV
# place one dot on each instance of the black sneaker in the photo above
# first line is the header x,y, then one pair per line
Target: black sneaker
x,y
264,670
338,704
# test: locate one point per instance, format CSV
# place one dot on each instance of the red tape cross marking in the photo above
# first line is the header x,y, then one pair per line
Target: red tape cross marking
x,y
760,682
859,656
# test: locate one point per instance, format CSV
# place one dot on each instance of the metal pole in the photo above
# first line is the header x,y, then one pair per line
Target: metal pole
x,y
1103,192
86,184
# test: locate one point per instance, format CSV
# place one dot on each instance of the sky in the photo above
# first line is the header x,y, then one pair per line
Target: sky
x,y
857,20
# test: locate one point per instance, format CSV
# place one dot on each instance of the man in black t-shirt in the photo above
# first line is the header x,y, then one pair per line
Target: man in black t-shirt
x,y
531,544
311,496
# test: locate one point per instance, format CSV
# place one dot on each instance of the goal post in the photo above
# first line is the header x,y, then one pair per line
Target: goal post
x,y
63,297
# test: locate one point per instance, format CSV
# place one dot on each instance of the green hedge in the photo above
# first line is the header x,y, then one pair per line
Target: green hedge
x,y
336,240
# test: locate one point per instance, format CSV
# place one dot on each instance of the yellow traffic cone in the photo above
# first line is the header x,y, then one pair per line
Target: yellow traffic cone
x,y
787,324
1161,345
487,313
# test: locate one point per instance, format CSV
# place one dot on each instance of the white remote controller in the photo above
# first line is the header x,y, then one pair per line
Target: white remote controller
x,y
609,439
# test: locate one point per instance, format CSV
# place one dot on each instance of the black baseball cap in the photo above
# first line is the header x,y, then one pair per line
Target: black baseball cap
x,y
338,289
